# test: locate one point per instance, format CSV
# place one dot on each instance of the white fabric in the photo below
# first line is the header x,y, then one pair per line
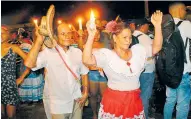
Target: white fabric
x,y
46,99
185,31
147,42
32,88
62,86
118,72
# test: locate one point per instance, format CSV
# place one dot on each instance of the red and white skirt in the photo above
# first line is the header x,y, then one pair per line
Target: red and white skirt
x,y
121,105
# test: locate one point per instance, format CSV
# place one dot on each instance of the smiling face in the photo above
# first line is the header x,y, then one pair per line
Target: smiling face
x,y
65,35
123,39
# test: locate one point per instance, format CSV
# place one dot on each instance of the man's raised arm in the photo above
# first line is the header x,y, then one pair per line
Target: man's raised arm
x,y
33,54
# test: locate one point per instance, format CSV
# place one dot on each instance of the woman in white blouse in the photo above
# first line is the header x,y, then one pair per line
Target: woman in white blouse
x,y
123,66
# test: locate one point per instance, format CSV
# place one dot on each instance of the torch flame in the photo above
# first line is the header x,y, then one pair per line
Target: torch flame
x,y
70,26
92,17
92,21
80,23
59,21
35,21
79,20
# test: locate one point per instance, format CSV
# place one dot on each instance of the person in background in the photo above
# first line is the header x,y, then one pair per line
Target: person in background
x,y
9,83
188,15
148,75
31,90
182,94
132,25
97,80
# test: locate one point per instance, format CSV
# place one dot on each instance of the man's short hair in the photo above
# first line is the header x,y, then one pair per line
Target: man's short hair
x,y
174,5
140,22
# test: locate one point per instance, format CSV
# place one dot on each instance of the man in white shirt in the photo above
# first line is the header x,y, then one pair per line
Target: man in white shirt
x,y
182,94
66,99
148,75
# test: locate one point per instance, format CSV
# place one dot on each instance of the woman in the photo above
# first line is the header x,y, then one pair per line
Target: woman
x,y
122,67
97,80
31,90
9,93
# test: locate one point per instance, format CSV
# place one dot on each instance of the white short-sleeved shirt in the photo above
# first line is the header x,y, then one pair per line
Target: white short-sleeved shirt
x,y
62,86
185,31
147,42
117,71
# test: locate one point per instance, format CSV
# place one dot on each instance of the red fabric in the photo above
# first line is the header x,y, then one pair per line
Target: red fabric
x,y
27,40
126,103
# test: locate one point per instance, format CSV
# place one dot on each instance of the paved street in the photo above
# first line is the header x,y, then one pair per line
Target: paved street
x,y
36,111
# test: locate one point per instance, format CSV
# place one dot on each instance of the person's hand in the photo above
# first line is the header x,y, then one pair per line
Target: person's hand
x,y
19,81
81,101
91,32
156,18
38,35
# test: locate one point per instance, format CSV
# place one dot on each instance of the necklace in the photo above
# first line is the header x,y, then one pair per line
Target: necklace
x,y
128,63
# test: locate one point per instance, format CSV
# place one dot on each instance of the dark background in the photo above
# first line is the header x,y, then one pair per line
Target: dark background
x,y
14,12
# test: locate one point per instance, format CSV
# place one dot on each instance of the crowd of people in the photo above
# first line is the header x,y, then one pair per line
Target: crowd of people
x,y
112,67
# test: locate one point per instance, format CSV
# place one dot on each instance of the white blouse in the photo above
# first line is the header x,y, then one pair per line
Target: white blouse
x,y
118,72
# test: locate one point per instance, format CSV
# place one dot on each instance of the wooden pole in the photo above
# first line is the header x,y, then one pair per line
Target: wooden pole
x,y
146,8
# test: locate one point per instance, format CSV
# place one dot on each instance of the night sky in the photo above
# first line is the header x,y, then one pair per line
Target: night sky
x,y
14,12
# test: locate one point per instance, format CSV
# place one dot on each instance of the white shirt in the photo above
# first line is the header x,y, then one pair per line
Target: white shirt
x,y
185,31
62,86
147,42
116,69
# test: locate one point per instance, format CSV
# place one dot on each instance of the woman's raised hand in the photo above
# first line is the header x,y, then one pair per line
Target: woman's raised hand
x,y
91,32
156,18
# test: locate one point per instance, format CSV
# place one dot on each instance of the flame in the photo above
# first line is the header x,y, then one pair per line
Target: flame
x,y
35,21
59,21
79,20
80,23
92,16
70,26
